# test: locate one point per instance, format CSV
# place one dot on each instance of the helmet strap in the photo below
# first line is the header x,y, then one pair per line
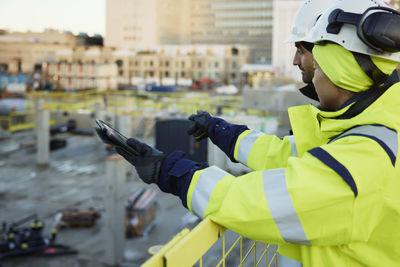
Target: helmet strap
x,y
369,67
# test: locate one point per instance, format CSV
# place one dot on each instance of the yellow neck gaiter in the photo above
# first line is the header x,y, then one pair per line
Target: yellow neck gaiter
x,y
340,66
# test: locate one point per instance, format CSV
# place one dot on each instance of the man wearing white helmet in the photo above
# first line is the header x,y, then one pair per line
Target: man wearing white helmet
x,y
305,19
331,192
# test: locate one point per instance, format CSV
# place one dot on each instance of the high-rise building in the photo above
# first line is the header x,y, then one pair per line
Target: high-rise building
x,y
245,22
146,23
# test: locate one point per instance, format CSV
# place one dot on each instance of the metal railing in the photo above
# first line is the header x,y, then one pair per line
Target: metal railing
x,y
191,248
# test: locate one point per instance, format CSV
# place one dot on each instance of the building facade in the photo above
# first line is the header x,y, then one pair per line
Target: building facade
x,y
18,56
245,22
24,52
146,23
80,68
180,65
48,36
69,76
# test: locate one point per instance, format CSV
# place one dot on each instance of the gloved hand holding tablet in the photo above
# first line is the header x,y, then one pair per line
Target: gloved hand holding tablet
x,y
112,137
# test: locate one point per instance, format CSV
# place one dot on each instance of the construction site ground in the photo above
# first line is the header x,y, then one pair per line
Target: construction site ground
x,y
75,179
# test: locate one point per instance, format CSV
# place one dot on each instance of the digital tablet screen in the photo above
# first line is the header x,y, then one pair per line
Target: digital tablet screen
x,y
112,131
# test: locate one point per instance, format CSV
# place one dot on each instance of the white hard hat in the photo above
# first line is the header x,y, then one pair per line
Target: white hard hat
x,y
306,17
370,27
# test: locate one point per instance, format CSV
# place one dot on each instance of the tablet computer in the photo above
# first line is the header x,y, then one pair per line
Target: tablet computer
x,y
112,137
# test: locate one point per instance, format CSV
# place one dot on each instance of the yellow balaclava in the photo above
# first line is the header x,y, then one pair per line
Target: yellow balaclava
x,y
343,70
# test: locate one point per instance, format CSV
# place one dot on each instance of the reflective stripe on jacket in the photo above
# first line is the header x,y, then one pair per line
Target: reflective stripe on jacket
x,y
334,202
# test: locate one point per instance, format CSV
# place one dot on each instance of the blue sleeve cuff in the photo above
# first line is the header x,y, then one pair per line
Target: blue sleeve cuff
x,y
224,135
176,174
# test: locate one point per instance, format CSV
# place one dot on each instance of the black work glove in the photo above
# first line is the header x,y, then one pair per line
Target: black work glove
x,y
200,126
147,163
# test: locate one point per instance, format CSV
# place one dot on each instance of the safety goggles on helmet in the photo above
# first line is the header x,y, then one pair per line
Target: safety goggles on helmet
x,y
377,27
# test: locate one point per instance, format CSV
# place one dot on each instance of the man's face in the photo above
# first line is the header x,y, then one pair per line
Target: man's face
x,y
304,60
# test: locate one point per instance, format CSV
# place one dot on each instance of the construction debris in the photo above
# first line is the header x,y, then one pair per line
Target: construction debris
x,y
140,213
78,218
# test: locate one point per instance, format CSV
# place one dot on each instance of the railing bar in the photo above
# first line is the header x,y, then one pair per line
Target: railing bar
x,y
272,259
248,253
223,249
234,244
261,257
241,250
255,254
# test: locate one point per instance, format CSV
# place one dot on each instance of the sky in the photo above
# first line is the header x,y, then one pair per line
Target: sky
x,y
36,15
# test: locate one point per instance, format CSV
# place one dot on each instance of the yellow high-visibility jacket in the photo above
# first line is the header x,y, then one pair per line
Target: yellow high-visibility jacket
x,y
330,194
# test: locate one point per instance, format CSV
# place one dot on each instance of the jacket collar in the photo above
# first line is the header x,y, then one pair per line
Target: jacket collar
x,y
314,127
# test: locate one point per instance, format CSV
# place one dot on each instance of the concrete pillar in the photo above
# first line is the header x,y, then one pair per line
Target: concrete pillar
x,y
42,131
114,219
38,104
125,127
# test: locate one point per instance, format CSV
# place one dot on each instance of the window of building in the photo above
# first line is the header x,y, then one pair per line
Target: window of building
x,y
151,74
216,64
199,64
183,74
151,62
234,65
166,63
167,74
233,76
183,64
